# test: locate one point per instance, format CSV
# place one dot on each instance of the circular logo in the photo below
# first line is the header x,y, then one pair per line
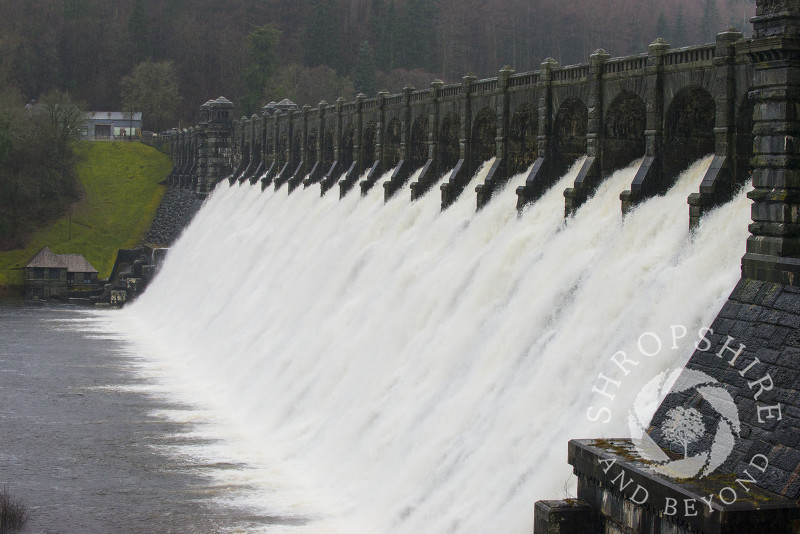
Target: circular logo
x,y
683,427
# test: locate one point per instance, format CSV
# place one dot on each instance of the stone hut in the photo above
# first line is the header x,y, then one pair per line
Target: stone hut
x,y
49,275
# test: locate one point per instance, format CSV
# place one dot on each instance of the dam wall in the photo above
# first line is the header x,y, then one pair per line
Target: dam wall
x,y
738,98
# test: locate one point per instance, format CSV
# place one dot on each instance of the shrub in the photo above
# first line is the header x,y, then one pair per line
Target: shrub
x,y
13,513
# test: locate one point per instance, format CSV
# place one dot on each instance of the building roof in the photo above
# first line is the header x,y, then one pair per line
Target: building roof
x,y
46,258
73,263
76,263
113,115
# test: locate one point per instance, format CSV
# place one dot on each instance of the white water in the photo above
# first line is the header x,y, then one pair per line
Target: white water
x,y
398,369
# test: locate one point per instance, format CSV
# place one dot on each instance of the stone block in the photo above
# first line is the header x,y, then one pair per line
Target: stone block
x,y
570,516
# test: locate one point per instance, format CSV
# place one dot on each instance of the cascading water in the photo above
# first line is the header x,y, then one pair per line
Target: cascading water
x,y
394,368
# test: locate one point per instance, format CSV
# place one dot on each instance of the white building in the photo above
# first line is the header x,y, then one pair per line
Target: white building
x,y
113,125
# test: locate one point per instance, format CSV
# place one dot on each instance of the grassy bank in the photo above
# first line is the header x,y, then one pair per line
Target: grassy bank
x,y
121,195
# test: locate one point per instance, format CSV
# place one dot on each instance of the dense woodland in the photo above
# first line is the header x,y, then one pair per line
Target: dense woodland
x,y
253,51
37,164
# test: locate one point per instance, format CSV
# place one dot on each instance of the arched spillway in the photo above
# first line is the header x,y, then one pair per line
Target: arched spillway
x,y
395,368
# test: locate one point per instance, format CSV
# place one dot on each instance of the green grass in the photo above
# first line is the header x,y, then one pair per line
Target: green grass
x,y
120,198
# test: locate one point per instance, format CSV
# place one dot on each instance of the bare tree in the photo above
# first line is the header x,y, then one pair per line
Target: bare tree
x,y
683,427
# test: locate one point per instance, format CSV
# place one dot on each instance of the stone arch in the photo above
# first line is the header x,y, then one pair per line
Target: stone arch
x,y
347,148
449,142
391,149
523,137
418,144
327,151
296,144
484,131
369,144
569,133
624,125
688,129
744,141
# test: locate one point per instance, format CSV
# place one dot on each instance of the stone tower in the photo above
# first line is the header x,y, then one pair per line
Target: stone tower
x,y
214,144
773,248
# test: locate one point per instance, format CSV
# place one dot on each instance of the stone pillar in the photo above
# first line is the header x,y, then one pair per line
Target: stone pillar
x,y
434,121
546,108
405,122
379,127
717,185
591,173
498,172
321,131
290,148
594,131
337,136
503,119
430,171
358,141
773,248
648,179
465,140
214,141
542,174
304,155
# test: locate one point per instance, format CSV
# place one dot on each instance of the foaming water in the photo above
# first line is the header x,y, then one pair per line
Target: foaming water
x,y
398,368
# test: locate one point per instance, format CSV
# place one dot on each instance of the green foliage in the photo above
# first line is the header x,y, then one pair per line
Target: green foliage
x,y
710,23
321,39
121,192
139,31
152,88
418,24
302,84
662,27
679,30
35,66
364,78
262,45
385,32
37,178
86,47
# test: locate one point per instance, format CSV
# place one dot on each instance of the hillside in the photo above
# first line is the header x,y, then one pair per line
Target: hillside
x,y
120,198
256,51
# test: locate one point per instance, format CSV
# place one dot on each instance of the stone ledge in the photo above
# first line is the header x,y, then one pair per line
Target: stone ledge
x,y
627,494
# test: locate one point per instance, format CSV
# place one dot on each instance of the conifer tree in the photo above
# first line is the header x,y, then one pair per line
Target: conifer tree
x,y
709,25
139,31
364,78
662,27
679,31
321,39
262,44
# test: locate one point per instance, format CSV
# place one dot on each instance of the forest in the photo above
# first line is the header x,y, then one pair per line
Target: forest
x,y
254,51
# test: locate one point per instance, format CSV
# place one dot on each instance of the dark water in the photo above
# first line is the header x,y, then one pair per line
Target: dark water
x,y
80,444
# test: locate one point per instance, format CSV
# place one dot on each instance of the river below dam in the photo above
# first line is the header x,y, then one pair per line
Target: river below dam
x,y
84,442
303,364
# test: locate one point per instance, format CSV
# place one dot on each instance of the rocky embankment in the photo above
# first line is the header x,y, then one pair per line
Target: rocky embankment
x,y
175,212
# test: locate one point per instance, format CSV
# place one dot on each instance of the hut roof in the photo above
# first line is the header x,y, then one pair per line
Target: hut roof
x,y
46,258
74,263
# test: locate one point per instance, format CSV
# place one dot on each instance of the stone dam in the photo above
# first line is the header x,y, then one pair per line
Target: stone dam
x,y
738,99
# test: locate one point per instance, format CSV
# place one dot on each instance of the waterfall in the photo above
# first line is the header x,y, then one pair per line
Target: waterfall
x,y
395,368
